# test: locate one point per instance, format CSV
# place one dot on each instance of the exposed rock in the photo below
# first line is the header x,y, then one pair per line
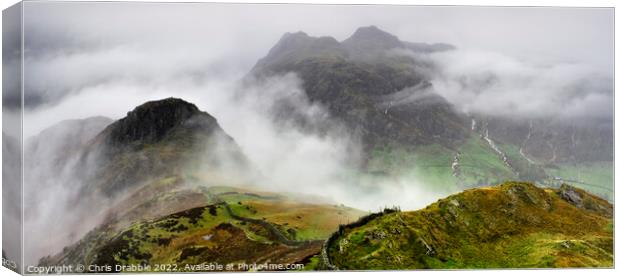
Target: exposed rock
x,y
582,199
155,139
455,202
343,245
571,195
378,235
152,121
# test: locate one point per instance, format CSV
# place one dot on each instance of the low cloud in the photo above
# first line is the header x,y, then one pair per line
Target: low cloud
x,y
305,164
496,84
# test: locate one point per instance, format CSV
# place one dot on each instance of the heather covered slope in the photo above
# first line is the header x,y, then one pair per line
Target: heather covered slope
x,y
205,225
513,225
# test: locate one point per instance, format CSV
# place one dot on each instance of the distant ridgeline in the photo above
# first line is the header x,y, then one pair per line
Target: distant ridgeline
x,y
380,88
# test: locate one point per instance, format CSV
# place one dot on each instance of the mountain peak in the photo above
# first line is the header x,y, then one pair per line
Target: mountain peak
x,y
371,38
164,104
293,47
151,121
293,35
152,141
366,43
371,31
290,41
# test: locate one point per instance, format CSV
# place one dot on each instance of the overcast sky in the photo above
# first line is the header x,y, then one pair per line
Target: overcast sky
x,y
564,33
77,47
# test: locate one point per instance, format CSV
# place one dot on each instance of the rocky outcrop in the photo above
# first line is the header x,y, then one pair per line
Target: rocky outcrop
x,y
151,122
583,200
156,139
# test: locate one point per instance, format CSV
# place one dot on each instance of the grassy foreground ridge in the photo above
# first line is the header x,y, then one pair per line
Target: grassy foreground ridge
x,y
513,225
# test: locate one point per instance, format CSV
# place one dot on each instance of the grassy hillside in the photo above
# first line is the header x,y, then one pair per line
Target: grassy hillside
x,y
480,165
513,225
225,225
429,164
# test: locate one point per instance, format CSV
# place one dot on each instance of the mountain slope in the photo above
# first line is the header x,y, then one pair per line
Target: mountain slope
x,y
156,139
386,99
54,149
159,192
508,226
56,143
549,141
232,225
95,170
551,151
361,84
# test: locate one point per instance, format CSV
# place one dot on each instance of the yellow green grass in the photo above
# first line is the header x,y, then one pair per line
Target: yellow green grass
x,y
514,225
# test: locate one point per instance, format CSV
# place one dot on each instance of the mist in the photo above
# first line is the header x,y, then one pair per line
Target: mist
x,y
53,215
308,166
103,59
491,83
71,46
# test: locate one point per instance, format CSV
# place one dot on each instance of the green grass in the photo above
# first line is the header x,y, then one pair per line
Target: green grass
x,y
180,237
156,231
429,164
598,177
308,221
480,165
312,264
515,225
527,171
